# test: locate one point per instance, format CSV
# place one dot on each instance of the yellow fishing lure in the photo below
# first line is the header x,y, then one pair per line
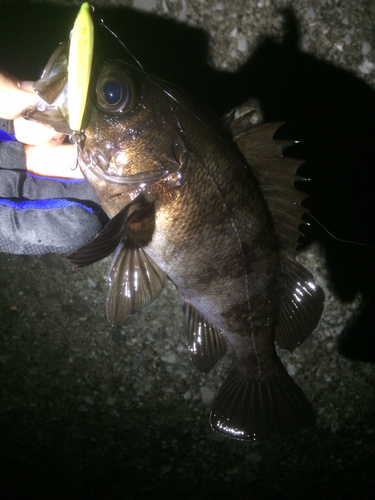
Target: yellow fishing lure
x,y
79,68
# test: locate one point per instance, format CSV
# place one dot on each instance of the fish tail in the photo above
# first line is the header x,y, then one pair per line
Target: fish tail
x,y
248,409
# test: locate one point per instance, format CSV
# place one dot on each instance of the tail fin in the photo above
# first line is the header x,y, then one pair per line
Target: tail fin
x,y
249,409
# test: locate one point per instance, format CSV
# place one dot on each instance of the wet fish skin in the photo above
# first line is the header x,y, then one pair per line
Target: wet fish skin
x,y
184,203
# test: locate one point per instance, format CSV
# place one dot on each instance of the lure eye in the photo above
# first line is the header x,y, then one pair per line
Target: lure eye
x,y
116,91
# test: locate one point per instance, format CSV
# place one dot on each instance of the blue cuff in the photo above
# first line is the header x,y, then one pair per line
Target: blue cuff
x,y
5,137
43,204
57,179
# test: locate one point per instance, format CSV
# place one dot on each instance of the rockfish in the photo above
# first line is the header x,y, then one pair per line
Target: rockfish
x,y
211,207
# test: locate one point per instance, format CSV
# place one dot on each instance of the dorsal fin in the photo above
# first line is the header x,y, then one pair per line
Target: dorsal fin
x,y
276,176
303,299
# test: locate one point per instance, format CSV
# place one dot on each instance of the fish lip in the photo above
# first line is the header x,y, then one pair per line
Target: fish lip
x,y
141,178
90,161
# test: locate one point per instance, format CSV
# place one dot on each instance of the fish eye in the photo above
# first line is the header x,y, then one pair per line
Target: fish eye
x,y
111,92
116,91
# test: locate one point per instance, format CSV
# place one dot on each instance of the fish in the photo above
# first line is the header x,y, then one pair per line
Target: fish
x,y
212,207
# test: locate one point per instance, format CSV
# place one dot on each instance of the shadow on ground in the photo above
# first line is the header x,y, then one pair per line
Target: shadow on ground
x,y
50,452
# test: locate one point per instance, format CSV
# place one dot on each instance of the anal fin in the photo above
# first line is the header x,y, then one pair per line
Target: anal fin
x,y
206,343
248,409
301,308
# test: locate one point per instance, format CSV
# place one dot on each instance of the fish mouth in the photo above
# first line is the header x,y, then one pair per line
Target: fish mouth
x,y
102,166
105,160
51,107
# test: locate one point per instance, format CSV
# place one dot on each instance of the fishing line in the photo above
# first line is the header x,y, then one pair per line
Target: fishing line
x,y
149,77
140,65
335,237
102,23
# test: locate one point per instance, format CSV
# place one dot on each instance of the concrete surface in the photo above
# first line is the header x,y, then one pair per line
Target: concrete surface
x,y
91,411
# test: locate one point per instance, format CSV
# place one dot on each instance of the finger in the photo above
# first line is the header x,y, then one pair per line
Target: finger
x,y
13,99
27,85
36,134
52,162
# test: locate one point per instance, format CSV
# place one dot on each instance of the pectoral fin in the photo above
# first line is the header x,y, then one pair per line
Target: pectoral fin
x,y
134,282
114,232
206,343
134,279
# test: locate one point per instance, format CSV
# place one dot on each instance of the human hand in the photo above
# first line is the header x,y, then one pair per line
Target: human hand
x,y
38,215
44,153
13,97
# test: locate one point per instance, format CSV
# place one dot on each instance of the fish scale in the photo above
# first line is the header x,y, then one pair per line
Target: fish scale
x,y
213,209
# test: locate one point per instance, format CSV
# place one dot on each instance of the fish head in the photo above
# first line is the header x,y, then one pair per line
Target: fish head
x,y
132,138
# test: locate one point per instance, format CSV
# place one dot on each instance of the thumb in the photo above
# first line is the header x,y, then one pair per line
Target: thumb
x,y
13,99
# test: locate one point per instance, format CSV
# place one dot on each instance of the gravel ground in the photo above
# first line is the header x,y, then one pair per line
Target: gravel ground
x,y
91,411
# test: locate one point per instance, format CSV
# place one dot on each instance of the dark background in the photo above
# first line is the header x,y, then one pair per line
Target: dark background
x,y
91,411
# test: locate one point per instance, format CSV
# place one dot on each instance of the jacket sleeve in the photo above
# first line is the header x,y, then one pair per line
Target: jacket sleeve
x,y
39,214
